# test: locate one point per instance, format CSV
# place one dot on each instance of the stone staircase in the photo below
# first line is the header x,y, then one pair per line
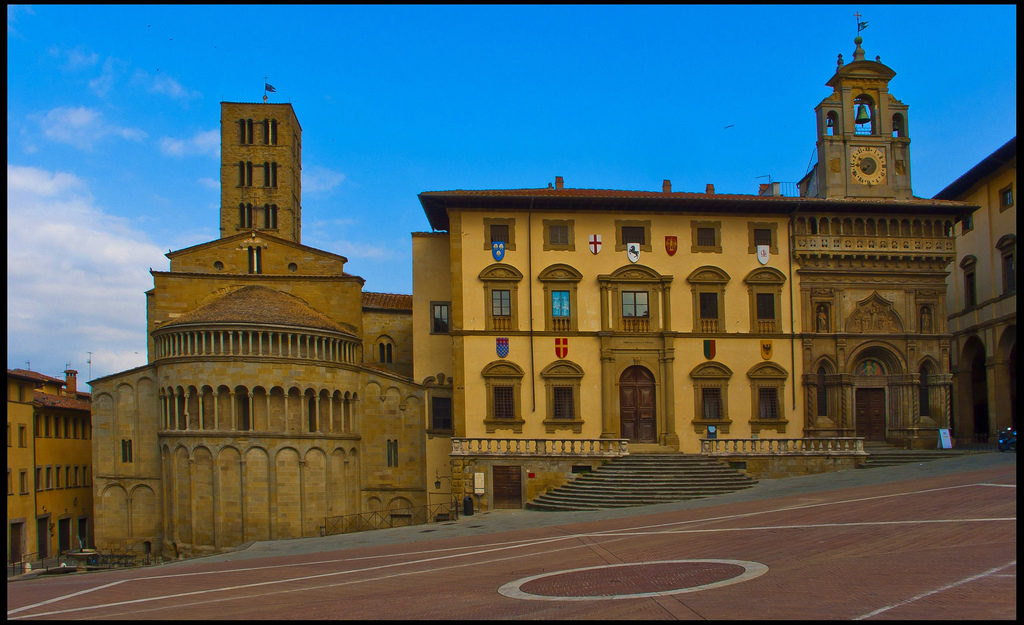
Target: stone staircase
x,y
886,455
642,479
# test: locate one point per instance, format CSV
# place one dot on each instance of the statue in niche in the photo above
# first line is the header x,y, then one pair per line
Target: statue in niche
x,y
822,318
926,319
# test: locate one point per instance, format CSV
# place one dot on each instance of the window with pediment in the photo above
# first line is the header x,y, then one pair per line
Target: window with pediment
x,y
707,284
711,397
562,391
767,387
560,288
637,296
501,301
764,286
503,383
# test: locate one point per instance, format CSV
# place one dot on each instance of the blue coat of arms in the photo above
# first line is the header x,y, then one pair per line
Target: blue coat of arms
x,y
498,250
501,345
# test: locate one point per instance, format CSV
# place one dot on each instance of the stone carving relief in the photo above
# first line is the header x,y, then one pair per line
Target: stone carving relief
x,y
874,315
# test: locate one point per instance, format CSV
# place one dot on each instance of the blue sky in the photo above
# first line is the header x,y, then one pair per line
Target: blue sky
x,y
113,124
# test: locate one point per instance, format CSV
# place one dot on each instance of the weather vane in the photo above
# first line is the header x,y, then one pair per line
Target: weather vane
x,y
860,25
267,87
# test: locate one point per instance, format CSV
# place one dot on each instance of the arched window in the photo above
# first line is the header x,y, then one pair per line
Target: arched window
x,y
924,396
831,122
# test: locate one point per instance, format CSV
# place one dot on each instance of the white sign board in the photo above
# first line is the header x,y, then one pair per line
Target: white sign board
x,y
944,442
478,483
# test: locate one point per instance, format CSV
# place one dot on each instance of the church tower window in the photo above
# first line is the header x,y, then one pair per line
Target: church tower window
x,y
864,115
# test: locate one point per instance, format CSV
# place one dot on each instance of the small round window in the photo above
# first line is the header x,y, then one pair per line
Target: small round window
x,y
218,265
292,267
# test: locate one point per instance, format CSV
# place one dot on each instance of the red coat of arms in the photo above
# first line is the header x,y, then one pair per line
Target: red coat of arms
x,y
561,347
671,245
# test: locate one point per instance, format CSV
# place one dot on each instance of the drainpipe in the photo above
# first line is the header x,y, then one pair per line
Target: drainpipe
x,y
792,335
529,269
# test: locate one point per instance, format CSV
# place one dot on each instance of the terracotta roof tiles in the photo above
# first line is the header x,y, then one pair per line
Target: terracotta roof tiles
x,y
258,305
47,400
391,301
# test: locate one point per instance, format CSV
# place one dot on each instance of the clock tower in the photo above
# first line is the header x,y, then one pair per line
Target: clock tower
x,y
863,143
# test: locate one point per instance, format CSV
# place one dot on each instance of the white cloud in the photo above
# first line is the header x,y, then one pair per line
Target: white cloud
x,y
206,143
209,183
316,179
164,85
102,84
75,58
76,277
82,127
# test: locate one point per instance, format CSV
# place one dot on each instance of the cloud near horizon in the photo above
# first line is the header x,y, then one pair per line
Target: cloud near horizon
x,y
76,277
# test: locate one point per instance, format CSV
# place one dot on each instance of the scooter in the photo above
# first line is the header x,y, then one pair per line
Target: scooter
x,y
1008,439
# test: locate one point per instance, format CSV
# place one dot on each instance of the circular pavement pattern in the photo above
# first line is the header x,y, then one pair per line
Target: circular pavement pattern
x,y
632,580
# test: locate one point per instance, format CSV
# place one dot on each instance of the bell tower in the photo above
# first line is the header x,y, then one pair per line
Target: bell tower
x,y
260,170
863,141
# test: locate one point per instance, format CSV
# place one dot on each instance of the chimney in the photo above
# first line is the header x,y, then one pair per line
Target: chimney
x,y
71,377
558,182
710,189
666,186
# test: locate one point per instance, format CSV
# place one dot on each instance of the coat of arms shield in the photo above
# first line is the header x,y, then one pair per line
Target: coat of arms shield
x,y
671,244
501,346
561,348
762,254
766,349
595,243
709,349
498,250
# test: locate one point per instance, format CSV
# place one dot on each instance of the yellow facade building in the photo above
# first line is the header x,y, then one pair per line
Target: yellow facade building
x,y
276,395
565,324
982,298
49,466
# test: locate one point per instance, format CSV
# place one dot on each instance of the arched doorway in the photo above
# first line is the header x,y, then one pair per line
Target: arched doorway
x,y
876,402
979,397
636,405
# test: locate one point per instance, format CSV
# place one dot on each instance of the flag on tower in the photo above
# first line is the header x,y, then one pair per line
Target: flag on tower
x,y
269,87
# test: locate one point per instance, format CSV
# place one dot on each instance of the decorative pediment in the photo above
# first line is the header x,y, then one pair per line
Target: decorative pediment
x,y
502,369
708,275
874,315
560,273
765,275
562,369
711,370
767,370
502,272
633,273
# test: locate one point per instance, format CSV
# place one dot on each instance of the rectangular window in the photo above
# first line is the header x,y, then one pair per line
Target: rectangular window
x,y
23,482
558,234
766,306
56,478
563,403
22,436
501,303
126,449
768,403
504,406
1009,274
1006,198
439,317
39,478
762,236
441,413
560,303
634,304
49,478
35,426
633,234
256,259
46,426
709,305
711,400
970,289
499,232
967,224
706,237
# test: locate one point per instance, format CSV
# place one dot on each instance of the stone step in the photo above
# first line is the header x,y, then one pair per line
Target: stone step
x,y
641,479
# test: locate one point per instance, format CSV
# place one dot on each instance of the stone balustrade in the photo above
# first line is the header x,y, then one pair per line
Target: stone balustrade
x,y
872,244
548,447
843,446
292,344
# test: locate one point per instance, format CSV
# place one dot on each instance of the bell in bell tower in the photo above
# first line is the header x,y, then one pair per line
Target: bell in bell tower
x,y
863,143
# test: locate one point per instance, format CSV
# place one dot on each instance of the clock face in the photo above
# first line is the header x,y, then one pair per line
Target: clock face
x,y
867,166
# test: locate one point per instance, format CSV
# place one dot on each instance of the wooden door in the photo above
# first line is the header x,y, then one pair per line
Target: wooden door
x,y
508,487
870,413
63,535
636,406
17,542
